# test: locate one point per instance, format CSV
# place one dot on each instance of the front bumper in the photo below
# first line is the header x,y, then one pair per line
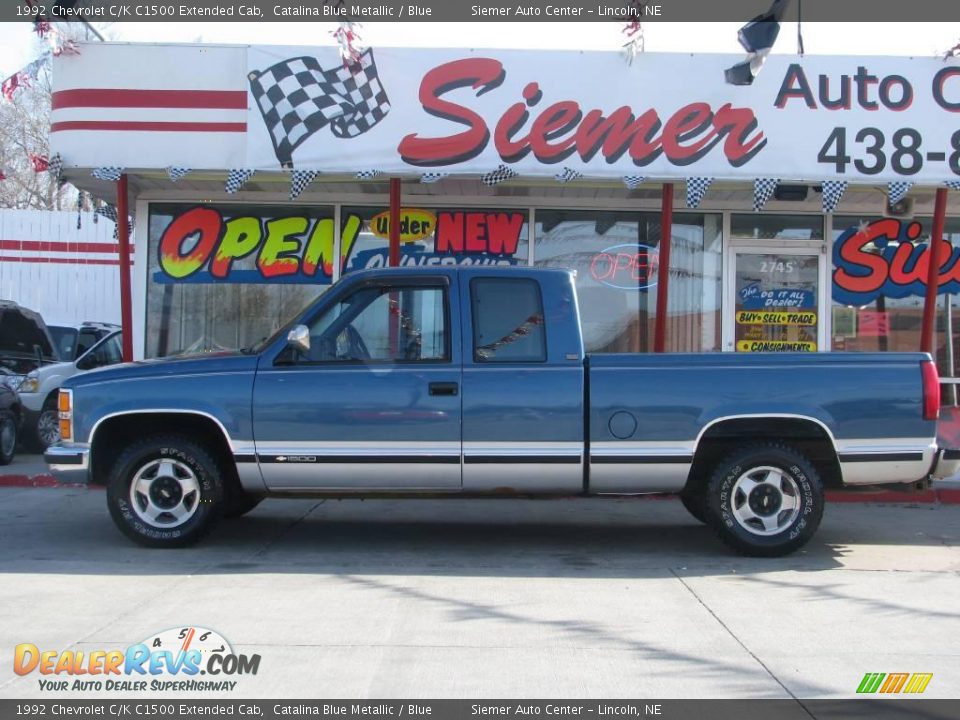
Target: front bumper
x,y
946,464
69,462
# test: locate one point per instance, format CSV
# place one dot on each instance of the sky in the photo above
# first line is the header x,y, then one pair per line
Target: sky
x,y
18,45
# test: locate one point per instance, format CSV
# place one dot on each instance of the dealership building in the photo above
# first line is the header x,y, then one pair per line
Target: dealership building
x,y
797,211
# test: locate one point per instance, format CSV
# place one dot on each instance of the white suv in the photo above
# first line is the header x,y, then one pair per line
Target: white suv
x,y
38,391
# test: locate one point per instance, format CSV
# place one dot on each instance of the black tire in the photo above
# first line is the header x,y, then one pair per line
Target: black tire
x,y
239,503
8,436
187,457
695,502
728,507
34,437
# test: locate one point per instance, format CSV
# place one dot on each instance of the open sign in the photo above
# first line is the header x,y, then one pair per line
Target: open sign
x,y
630,266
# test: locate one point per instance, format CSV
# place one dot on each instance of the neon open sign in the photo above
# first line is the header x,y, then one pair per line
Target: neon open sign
x,y
630,266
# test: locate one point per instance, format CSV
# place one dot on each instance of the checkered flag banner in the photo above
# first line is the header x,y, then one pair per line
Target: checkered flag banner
x,y
832,192
696,188
567,175
177,173
55,168
897,191
953,184
432,177
236,179
369,174
503,172
762,191
110,212
108,174
297,98
299,181
633,181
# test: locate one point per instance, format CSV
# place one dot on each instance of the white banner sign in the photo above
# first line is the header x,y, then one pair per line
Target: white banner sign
x,y
409,111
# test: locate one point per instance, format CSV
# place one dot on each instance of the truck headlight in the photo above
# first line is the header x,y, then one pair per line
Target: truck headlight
x,y
30,384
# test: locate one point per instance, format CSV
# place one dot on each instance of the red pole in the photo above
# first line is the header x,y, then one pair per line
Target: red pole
x,y
394,222
663,269
123,234
928,335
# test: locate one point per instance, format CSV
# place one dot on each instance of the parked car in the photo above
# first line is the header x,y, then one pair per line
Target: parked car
x,y
38,391
473,382
10,416
25,343
72,341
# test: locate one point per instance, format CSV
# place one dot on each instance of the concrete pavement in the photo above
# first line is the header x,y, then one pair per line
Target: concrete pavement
x,y
500,598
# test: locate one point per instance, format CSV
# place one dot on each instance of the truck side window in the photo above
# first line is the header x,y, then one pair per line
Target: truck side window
x,y
507,320
385,324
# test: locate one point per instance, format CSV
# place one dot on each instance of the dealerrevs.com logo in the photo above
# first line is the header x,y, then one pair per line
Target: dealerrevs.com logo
x,y
189,659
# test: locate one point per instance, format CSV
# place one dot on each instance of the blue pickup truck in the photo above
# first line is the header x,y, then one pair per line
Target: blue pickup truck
x,y
473,382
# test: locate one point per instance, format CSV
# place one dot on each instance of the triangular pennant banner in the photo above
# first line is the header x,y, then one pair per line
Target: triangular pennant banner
x,y
107,174
110,212
432,177
897,191
177,173
762,191
369,174
696,188
503,172
633,181
953,184
236,179
299,181
567,175
832,192
55,167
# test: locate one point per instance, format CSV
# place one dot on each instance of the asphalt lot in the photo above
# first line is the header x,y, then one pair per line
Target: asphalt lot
x,y
500,598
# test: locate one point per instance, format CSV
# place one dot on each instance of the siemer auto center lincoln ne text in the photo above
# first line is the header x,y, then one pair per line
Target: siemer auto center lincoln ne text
x,y
797,210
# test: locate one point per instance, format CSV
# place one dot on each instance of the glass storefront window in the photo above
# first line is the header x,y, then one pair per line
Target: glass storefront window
x,y
223,277
757,226
434,236
616,256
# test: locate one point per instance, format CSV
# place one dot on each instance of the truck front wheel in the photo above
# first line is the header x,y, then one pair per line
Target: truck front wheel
x,y
165,491
765,500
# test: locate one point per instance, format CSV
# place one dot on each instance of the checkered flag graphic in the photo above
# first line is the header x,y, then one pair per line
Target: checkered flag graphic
x,y
369,174
897,191
953,184
762,191
177,173
832,192
299,181
108,174
236,179
567,175
633,181
696,188
432,177
503,172
55,168
297,98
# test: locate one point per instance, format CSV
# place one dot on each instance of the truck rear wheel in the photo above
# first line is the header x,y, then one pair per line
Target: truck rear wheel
x,y
165,491
765,500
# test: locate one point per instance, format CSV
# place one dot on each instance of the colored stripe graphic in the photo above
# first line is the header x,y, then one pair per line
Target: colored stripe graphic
x,y
894,682
128,98
918,682
140,126
870,682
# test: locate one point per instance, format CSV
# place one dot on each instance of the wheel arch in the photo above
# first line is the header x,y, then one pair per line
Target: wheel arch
x,y
808,435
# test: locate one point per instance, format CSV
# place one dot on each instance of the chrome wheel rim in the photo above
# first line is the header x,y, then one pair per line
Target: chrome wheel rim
x,y
765,500
165,493
8,436
48,427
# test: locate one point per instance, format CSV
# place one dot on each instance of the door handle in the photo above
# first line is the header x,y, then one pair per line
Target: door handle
x,y
444,388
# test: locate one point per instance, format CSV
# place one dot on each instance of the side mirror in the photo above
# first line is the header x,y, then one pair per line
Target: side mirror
x,y
299,339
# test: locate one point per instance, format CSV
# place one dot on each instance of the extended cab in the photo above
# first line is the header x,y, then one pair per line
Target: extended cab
x,y
473,382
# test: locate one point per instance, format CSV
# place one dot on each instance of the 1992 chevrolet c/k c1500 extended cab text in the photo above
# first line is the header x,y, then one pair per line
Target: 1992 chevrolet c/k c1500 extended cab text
x,y
473,382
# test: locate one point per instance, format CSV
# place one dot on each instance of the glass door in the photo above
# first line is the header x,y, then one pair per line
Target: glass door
x,y
776,300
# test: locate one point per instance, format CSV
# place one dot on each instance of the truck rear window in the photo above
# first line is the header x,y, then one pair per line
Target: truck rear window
x,y
507,320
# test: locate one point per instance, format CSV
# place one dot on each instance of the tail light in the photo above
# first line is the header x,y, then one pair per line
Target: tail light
x,y
65,414
931,390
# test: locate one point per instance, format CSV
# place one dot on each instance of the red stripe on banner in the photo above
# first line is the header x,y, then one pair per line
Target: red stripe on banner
x,y
116,98
148,126
51,246
60,261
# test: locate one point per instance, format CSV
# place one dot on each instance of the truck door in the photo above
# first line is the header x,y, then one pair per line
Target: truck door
x,y
375,403
522,384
